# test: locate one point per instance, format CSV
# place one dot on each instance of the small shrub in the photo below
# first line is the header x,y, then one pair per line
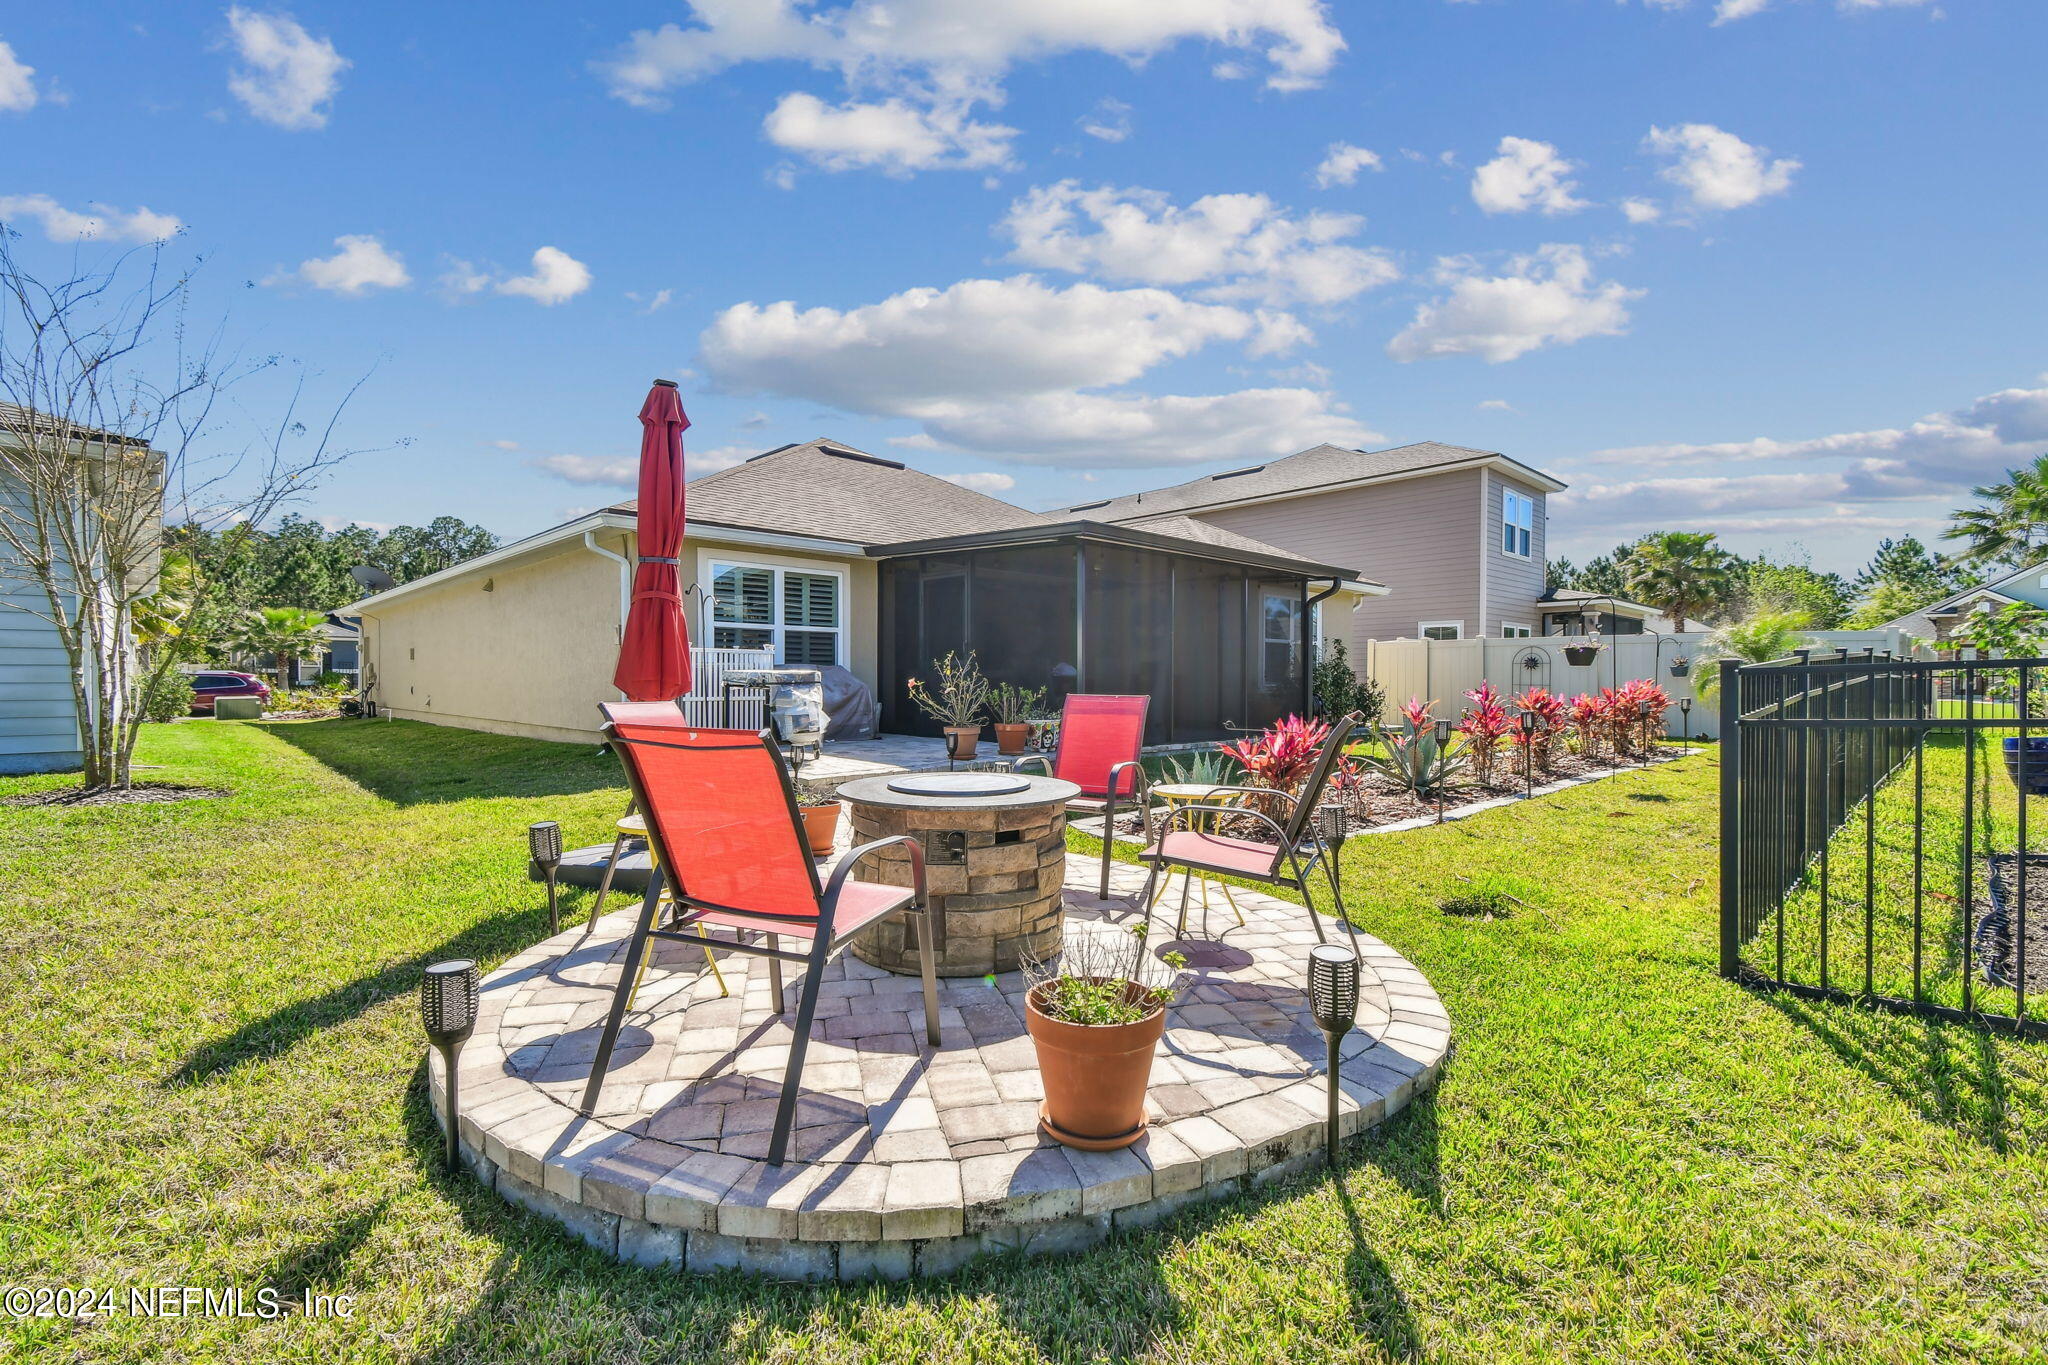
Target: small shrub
x,y
1282,757
167,698
1485,725
1339,690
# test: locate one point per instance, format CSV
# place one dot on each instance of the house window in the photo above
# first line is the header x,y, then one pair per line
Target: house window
x,y
797,616
1441,630
1517,523
1510,631
1280,640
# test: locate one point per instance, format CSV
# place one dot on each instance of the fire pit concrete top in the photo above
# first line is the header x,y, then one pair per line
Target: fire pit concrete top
x,y
1038,791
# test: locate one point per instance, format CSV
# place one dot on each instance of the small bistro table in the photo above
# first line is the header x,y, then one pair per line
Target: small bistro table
x,y
994,865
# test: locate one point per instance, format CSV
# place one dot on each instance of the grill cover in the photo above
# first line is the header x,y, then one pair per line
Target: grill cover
x,y
796,702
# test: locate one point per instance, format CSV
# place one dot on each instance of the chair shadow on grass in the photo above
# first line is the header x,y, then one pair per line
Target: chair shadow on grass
x,y
1949,1072
497,937
410,763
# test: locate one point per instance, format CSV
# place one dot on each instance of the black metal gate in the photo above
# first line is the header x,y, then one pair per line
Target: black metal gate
x,y
1874,832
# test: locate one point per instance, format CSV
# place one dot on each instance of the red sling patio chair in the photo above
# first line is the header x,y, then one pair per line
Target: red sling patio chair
x,y
723,827
1297,843
1100,736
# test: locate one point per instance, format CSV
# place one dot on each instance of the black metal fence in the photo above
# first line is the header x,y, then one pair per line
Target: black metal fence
x,y
1874,833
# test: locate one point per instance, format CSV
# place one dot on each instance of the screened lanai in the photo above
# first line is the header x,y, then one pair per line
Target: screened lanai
x,y
1220,642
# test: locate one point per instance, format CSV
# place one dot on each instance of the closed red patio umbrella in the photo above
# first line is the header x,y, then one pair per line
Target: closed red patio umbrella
x,y
654,650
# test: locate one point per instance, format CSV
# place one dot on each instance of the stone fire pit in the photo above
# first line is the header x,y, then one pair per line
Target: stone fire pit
x,y
993,866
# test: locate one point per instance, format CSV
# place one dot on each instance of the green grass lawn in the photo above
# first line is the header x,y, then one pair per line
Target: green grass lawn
x,y
209,1075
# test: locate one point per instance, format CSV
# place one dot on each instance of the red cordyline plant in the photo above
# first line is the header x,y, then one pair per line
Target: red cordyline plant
x,y
1282,756
1419,714
1622,710
1649,701
1589,721
1486,723
1552,712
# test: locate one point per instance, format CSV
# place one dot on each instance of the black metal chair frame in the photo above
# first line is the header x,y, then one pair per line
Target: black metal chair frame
x,y
825,944
1291,839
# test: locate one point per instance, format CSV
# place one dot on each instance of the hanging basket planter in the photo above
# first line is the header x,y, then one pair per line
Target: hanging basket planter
x,y
1581,656
1680,667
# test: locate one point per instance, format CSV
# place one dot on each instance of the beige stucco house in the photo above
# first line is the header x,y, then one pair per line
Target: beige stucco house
x,y
1457,535
821,554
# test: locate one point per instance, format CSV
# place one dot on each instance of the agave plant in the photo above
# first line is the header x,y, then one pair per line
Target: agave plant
x,y
1203,767
1413,760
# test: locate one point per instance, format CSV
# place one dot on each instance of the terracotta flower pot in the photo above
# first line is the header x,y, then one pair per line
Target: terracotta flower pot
x,y
1095,1076
1011,738
821,826
961,741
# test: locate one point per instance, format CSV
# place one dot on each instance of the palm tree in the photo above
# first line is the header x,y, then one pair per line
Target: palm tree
x,y
1760,639
1681,573
2013,527
284,633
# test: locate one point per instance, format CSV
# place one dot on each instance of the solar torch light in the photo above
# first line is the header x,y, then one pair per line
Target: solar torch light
x,y
448,996
1333,1000
1333,825
544,844
1529,723
1443,743
1685,711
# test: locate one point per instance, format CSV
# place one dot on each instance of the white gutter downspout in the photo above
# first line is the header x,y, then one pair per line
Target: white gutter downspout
x,y
625,582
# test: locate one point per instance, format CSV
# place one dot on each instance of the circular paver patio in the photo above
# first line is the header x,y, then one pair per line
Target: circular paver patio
x,y
908,1159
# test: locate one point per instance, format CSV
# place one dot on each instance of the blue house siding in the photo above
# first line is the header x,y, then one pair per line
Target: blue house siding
x,y
38,722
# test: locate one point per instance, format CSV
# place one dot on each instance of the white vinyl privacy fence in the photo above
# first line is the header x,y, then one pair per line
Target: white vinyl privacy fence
x,y
1443,671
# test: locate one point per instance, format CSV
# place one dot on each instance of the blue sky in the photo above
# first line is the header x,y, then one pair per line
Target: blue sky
x,y
1768,267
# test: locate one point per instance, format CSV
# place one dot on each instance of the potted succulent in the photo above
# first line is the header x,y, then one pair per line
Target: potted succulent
x,y
1012,707
956,701
818,804
1681,667
1096,1020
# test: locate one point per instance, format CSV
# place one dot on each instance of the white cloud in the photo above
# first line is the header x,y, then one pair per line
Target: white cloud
x,y
894,136
1495,405
623,471
361,265
934,43
556,278
974,341
651,303
1877,478
1526,175
1718,170
1107,431
1109,120
1641,210
17,82
982,483
506,445
98,221
287,75
1546,298
1342,163
1242,245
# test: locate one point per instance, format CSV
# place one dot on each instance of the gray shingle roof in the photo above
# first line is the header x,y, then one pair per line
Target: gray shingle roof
x,y
832,491
1314,468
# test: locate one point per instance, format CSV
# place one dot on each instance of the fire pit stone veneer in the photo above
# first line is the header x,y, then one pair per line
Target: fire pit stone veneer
x,y
993,867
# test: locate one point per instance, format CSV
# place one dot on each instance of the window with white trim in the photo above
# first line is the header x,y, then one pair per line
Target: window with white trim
x,y
1279,639
798,615
1441,630
1511,631
1517,523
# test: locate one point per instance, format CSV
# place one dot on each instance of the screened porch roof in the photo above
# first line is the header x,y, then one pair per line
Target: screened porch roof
x,y
1178,535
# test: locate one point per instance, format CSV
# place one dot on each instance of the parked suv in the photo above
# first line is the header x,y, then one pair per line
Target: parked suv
x,y
209,687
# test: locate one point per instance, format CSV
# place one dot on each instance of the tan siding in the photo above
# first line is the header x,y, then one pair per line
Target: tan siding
x,y
1418,536
1513,584
534,656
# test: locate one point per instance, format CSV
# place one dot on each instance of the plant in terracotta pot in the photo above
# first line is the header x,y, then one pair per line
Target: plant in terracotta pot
x,y
818,804
956,699
1096,1018
1012,707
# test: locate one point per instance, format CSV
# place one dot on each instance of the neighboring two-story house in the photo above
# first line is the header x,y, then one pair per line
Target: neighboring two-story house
x,y
1457,535
1942,622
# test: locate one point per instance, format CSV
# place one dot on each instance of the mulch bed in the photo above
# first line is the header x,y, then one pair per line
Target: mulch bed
x,y
141,794
1998,942
1378,801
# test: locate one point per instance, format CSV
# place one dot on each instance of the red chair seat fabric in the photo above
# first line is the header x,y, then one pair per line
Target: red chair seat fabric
x,y
1215,850
860,903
